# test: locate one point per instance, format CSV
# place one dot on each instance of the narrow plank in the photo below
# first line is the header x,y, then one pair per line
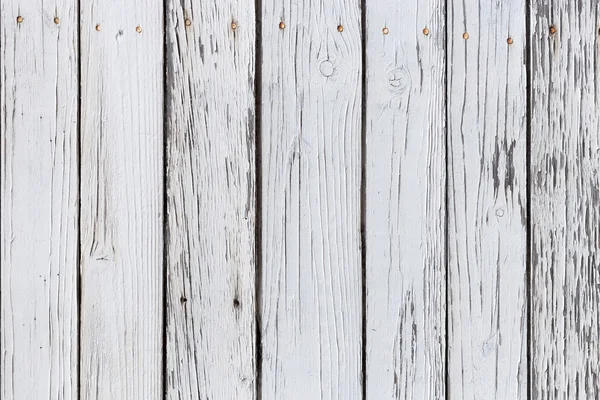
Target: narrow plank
x,y
211,200
487,200
405,166
39,192
565,192
311,175
121,199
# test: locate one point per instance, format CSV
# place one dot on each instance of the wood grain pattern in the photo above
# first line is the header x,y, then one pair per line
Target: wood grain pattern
x,y
121,199
38,149
211,200
565,193
487,200
310,228
405,166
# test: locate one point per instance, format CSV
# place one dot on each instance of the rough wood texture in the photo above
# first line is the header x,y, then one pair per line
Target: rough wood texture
x,y
211,200
311,154
487,200
121,199
565,193
405,200
38,125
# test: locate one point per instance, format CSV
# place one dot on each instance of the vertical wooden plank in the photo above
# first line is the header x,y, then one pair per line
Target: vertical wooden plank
x,y
121,199
39,184
487,194
565,193
405,200
310,229
211,199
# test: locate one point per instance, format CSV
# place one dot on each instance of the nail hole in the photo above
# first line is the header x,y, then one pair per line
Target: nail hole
x,y
465,35
385,31
426,32
236,303
188,22
98,27
340,28
56,20
282,25
183,299
19,19
138,29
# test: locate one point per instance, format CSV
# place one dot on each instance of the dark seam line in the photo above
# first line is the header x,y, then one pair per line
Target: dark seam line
x,y
528,258
165,265
446,209
363,249
78,150
258,200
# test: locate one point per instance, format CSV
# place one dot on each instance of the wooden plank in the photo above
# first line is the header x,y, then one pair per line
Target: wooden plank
x,y
121,199
405,200
565,193
39,208
311,313
487,200
211,199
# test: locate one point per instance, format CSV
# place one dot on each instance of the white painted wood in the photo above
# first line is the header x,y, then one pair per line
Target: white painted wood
x,y
38,179
487,200
565,193
121,199
405,166
211,200
311,308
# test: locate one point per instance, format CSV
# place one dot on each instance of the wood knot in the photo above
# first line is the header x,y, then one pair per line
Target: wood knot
x,y
398,79
326,68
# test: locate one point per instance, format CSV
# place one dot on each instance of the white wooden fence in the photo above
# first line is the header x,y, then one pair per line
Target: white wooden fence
x,y
332,199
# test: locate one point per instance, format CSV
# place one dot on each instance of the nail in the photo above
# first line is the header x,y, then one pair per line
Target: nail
x,y
385,31
465,35
426,32
188,22
56,20
340,28
281,25
138,29
19,19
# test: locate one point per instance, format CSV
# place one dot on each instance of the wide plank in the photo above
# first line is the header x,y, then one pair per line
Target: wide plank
x,y
405,165
211,197
565,205
311,282
39,199
121,199
487,200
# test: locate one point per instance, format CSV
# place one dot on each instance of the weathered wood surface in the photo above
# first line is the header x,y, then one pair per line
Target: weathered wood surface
x,y
481,197
311,175
39,191
487,200
565,206
121,199
211,200
405,164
